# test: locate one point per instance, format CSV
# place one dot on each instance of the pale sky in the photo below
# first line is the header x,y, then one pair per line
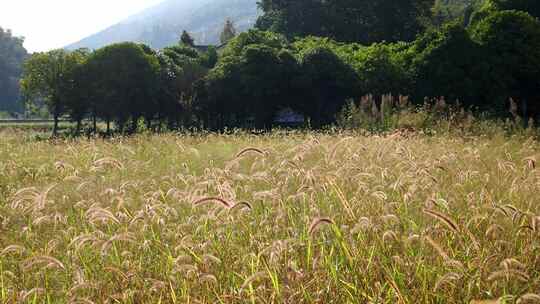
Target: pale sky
x,y
49,24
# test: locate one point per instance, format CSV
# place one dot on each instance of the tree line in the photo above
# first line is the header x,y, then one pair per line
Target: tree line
x,y
308,56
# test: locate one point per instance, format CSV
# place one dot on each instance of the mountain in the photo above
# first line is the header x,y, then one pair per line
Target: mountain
x,y
161,25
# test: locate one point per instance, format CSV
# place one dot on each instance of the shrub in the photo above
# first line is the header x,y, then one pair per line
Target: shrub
x,y
511,45
446,62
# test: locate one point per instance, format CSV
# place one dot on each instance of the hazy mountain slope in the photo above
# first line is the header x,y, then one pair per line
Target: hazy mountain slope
x,y
161,25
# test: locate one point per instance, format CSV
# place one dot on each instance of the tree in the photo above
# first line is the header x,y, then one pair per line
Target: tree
x,y
210,57
381,69
228,33
250,83
12,55
489,7
169,95
236,46
327,81
446,62
186,39
188,66
124,83
45,77
219,98
530,6
76,88
511,42
266,73
363,21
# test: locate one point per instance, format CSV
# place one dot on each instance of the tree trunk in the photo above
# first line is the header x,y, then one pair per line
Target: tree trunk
x,y
55,127
95,123
108,126
133,125
524,112
316,121
78,130
158,127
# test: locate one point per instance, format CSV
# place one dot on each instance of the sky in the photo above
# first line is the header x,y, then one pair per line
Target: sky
x,y
50,24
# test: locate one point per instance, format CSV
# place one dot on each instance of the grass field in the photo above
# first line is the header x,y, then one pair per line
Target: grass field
x,y
278,218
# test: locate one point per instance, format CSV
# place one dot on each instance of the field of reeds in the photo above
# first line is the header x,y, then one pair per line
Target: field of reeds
x,y
301,217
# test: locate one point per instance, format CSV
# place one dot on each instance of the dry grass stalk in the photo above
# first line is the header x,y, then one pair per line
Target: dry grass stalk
x,y
255,277
449,279
316,223
12,249
446,220
437,248
108,161
81,301
508,274
249,150
208,279
212,199
44,261
342,198
528,298
242,205
486,301
394,286
32,292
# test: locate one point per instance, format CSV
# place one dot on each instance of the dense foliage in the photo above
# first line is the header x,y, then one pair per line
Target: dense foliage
x,y
12,54
48,78
363,21
511,42
483,54
447,62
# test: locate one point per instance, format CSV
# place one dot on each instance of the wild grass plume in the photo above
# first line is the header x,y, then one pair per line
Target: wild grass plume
x,y
311,218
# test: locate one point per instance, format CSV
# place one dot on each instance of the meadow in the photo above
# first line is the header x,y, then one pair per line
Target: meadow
x,y
285,217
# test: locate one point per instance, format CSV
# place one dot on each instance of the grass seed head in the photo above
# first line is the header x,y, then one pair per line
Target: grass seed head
x,y
316,223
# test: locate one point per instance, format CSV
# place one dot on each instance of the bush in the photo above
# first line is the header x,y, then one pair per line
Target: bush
x,y
511,45
249,84
380,67
326,83
236,45
446,62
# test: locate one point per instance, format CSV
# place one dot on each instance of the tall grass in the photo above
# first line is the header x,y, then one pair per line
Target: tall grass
x,y
389,113
299,218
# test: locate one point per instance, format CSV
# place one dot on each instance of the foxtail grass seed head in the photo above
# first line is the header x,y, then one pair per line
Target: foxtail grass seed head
x,y
427,209
318,222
